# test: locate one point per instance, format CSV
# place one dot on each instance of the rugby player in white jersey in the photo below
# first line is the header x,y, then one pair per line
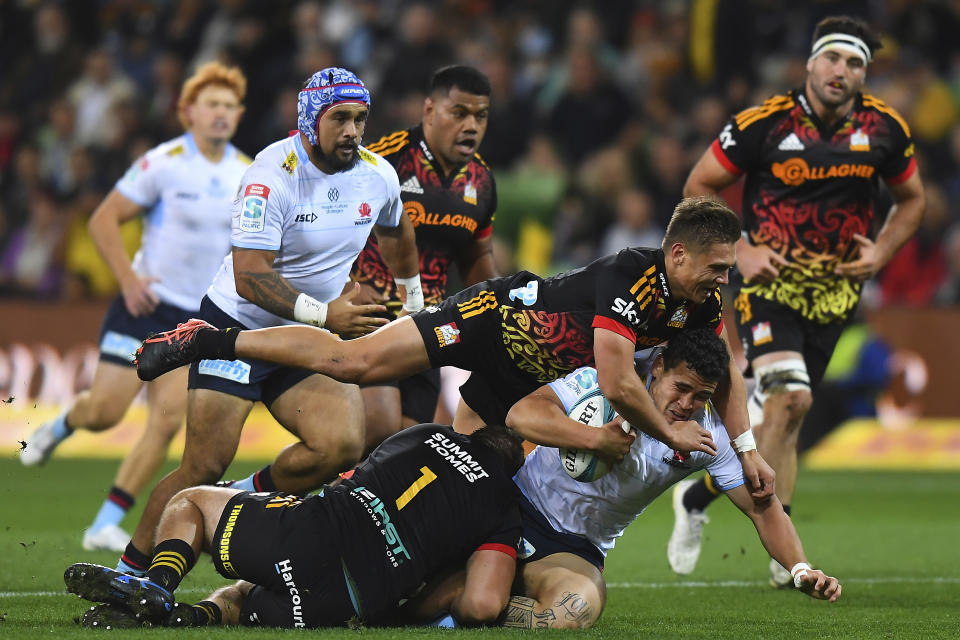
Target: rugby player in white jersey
x,y
185,188
570,526
304,210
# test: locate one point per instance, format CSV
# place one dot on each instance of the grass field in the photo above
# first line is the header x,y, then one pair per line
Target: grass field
x,y
892,539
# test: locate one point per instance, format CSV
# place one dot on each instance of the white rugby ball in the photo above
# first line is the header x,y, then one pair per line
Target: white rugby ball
x,y
582,465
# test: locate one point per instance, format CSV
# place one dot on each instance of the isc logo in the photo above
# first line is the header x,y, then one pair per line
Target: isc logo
x,y
305,217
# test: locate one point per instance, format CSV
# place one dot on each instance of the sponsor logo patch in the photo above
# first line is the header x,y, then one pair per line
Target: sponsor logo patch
x,y
411,185
365,214
526,294
761,333
367,156
306,217
470,194
679,317
290,163
859,141
796,171
253,207
447,334
234,370
333,195
119,345
791,143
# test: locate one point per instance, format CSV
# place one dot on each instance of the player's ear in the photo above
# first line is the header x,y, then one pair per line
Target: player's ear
x,y
678,252
810,65
656,370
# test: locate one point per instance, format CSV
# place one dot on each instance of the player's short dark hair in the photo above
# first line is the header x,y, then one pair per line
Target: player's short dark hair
x,y
701,221
851,26
467,79
504,442
702,349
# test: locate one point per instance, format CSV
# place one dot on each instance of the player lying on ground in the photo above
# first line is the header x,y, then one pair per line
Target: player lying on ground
x,y
569,526
518,332
425,500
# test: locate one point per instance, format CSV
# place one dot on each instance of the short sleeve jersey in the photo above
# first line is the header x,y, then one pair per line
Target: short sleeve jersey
x,y
601,510
186,230
316,223
448,213
423,501
810,188
547,323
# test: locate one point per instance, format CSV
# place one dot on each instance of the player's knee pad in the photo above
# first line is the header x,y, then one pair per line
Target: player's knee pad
x,y
777,377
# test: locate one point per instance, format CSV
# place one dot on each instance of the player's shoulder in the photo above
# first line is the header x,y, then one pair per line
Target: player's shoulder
x,y
280,160
391,143
647,259
171,150
871,102
372,161
576,384
771,108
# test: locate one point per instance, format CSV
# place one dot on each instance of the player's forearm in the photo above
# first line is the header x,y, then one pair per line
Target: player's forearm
x,y
268,290
777,533
105,230
694,187
629,397
902,222
543,422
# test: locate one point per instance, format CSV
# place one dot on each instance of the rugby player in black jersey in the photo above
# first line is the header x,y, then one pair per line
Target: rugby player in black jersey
x,y
516,333
422,503
812,159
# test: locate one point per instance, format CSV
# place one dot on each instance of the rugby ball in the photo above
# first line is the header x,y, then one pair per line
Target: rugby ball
x,y
586,466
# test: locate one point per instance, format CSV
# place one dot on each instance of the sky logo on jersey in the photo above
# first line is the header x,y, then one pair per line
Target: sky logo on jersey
x,y
526,294
234,370
253,207
626,309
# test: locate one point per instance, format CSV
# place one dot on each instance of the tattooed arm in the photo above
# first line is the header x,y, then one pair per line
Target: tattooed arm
x,y
260,284
568,611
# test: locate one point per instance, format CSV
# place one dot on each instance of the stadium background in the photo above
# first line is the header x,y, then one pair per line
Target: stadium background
x,y
599,110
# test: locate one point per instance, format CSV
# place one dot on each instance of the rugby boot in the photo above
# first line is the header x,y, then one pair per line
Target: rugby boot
x,y
146,600
111,616
170,350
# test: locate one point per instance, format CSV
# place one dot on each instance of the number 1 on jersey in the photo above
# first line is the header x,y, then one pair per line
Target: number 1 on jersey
x,y
426,477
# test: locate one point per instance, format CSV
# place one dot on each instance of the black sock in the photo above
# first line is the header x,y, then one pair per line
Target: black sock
x,y
121,498
218,345
263,481
206,613
172,559
786,509
66,423
698,496
135,558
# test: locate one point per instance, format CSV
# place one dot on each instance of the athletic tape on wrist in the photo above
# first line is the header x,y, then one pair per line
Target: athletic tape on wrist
x,y
744,442
799,570
414,301
310,311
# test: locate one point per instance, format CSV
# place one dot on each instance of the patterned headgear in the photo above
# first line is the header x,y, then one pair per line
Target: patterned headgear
x,y
327,88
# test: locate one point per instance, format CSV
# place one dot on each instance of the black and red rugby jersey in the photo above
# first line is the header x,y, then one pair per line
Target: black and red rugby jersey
x,y
809,188
448,212
547,323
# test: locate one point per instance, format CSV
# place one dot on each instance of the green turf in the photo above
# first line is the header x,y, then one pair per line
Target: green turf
x,y
892,539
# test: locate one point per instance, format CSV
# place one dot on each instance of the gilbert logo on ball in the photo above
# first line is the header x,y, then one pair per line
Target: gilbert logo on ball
x,y
586,466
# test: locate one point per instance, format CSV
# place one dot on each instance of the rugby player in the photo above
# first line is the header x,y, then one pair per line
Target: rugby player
x,y
516,333
569,526
425,500
185,188
304,210
812,159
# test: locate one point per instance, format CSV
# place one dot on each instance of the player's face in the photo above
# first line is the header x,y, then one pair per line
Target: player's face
x,y
835,77
679,393
215,113
339,133
455,124
698,272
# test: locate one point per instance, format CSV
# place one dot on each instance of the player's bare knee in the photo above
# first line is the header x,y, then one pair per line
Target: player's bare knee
x,y
478,611
203,469
793,405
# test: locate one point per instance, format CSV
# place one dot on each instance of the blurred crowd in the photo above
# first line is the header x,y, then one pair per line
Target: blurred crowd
x,y
599,109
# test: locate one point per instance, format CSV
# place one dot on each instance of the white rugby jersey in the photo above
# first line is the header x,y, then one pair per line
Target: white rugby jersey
x,y
316,222
601,510
189,201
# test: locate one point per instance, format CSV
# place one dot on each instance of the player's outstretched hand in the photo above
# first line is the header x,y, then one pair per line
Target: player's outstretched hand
x,y
760,476
139,299
759,264
690,436
613,442
348,319
171,349
817,584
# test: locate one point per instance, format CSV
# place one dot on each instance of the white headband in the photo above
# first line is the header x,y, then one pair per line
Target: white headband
x,y
842,42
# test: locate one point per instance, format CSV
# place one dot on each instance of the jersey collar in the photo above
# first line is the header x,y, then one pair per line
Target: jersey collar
x,y
826,133
302,154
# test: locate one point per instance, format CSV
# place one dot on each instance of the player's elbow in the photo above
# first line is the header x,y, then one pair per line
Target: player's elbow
x,y
479,608
614,389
